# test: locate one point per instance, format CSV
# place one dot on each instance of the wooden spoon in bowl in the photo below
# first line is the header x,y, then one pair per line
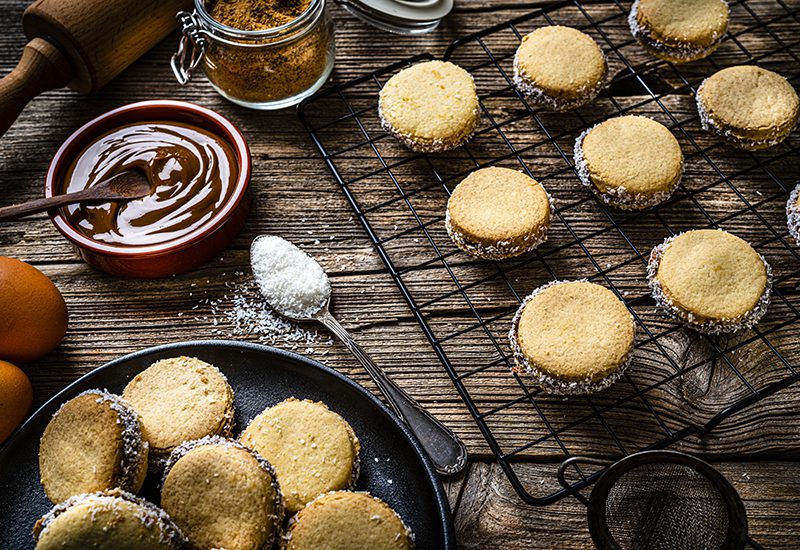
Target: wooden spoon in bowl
x,y
125,186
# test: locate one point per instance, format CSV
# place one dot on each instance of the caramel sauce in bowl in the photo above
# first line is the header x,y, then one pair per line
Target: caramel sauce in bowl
x,y
198,164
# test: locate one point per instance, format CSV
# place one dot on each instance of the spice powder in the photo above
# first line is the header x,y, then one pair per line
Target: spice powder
x,y
269,72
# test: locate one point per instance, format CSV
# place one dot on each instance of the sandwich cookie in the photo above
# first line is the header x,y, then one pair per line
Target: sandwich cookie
x,y
710,280
497,213
222,495
559,68
572,337
679,30
630,162
793,214
180,399
92,443
430,107
110,520
343,520
750,107
313,449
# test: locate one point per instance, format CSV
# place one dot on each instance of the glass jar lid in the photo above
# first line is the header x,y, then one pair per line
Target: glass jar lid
x,y
400,16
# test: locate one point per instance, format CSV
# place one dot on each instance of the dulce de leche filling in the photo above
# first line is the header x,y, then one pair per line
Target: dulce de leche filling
x,y
192,172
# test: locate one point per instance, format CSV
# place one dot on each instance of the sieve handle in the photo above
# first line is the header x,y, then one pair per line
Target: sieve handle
x,y
572,461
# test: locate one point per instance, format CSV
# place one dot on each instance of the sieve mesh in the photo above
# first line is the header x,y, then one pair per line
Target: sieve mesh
x,y
666,506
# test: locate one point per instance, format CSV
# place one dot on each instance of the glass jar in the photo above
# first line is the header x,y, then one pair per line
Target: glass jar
x,y
262,69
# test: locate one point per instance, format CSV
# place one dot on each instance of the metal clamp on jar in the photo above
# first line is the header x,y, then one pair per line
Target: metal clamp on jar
x,y
262,69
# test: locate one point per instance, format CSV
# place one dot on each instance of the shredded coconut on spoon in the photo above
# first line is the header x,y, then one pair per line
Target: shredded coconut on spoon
x,y
292,282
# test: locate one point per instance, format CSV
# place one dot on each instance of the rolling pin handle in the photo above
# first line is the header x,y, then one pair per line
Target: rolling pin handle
x,y
42,67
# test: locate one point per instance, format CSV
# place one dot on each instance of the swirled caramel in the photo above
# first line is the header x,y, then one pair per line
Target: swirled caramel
x,y
192,172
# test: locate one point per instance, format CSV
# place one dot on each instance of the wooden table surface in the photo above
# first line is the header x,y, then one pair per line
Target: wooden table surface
x,y
296,197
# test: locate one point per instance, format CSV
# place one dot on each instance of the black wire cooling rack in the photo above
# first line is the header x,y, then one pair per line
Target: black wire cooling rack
x,y
681,385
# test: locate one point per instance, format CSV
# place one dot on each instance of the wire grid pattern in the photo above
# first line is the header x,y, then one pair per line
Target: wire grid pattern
x,y
399,198
666,506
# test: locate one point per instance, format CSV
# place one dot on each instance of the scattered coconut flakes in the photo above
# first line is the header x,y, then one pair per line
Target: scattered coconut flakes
x,y
244,312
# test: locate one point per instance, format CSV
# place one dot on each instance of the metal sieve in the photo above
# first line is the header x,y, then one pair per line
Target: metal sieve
x,y
662,500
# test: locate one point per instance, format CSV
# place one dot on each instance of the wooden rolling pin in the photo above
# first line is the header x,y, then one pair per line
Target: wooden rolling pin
x,y
82,44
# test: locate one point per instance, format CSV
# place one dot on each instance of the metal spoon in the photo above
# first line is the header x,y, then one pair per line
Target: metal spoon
x,y
445,449
125,186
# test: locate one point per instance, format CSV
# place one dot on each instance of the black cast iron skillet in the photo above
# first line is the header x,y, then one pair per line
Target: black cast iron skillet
x,y
393,465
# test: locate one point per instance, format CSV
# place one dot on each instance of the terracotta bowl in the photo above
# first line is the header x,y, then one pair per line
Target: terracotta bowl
x,y
175,256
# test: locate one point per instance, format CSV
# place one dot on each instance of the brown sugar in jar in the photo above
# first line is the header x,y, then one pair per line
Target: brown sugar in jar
x,y
263,54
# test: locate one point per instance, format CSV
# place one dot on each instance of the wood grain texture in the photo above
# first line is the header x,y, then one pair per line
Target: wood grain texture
x,y
295,197
488,512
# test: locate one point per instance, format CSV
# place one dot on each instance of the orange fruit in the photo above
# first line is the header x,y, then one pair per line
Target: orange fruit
x,y
16,396
34,316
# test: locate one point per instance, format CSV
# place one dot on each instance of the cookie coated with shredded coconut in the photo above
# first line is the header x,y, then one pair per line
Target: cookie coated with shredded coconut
x,y
291,281
719,326
499,250
676,53
430,107
134,448
184,448
544,380
427,146
150,515
287,536
793,214
617,197
710,124
539,97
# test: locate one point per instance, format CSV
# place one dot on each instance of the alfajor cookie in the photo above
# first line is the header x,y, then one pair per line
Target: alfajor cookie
x,y
793,214
92,443
497,213
711,280
343,520
559,68
750,107
180,399
313,449
222,495
111,520
679,30
430,107
630,162
572,337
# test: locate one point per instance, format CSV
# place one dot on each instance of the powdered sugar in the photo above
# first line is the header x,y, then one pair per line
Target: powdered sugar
x,y
292,282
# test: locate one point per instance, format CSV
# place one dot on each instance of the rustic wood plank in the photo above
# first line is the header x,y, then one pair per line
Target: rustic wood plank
x,y
287,190
296,197
491,515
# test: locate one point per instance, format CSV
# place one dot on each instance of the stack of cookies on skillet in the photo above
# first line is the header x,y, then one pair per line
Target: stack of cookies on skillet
x,y
577,337
286,482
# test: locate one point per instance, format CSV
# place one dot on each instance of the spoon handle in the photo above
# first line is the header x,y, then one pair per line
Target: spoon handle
x,y
47,203
445,449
